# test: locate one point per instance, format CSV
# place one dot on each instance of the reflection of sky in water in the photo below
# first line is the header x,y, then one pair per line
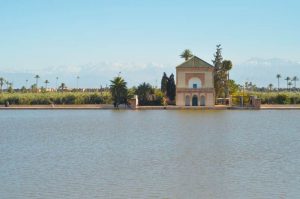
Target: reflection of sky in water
x,y
149,154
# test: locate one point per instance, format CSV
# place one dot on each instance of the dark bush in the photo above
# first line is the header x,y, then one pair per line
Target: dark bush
x,y
282,99
69,99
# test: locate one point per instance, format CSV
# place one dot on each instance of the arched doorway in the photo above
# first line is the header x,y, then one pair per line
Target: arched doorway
x,y
187,100
202,100
195,100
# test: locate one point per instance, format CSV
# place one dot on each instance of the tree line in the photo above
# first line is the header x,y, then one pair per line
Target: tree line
x,y
166,94
147,94
34,87
289,82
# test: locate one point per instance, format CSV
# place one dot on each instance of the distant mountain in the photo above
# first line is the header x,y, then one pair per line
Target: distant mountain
x,y
259,71
91,75
263,71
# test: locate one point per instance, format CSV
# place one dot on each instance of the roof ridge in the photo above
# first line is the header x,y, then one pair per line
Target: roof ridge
x,y
205,61
194,58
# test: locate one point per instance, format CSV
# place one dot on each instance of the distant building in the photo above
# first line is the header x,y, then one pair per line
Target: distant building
x,y
195,83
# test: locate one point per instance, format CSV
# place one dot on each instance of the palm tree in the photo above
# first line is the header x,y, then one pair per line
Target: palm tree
x,y
56,83
227,66
23,89
118,90
2,82
10,87
37,81
62,87
77,81
33,87
278,76
144,92
46,83
186,54
7,84
295,79
270,86
287,79
289,85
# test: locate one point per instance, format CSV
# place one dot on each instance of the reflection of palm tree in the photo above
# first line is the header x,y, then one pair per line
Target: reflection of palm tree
x,y
278,76
37,81
287,79
2,82
118,90
186,54
46,83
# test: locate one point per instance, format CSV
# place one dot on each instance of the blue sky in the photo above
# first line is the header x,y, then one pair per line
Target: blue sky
x,y
96,39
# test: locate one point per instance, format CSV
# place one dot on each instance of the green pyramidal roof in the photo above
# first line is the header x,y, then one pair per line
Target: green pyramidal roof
x,y
194,62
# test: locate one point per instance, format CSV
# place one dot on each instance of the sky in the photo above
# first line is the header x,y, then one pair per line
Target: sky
x,y
97,39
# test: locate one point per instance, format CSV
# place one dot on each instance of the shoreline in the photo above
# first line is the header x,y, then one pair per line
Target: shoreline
x,y
110,107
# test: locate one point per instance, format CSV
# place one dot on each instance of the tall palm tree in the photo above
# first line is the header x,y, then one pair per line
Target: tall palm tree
x,y
289,85
278,76
10,87
2,82
227,66
37,81
7,84
46,83
77,81
56,83
118,90
186,54
287,79
295,79
63,87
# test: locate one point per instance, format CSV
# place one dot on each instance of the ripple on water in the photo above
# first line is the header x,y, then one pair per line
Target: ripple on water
x,y
149,154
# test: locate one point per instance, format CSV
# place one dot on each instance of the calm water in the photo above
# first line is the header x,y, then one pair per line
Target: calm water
x,y
150,154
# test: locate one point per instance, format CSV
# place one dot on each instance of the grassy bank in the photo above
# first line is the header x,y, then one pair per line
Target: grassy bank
x,y
279,98
55,98
274,97
105,98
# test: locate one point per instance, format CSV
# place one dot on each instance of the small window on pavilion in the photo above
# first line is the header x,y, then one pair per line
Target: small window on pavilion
x,y
194,85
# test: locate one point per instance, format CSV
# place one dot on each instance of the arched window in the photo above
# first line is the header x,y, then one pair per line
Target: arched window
x,y
195,82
